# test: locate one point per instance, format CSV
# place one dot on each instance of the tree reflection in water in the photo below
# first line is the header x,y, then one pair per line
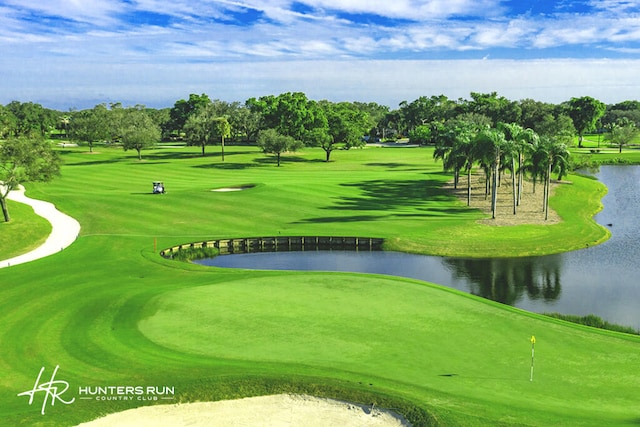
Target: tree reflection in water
x,y
506,280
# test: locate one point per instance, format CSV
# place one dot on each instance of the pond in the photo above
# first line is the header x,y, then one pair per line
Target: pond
x,y
603,280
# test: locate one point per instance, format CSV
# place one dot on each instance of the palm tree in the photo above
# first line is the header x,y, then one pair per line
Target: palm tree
x,y
557,159
488,148
455,148
520,141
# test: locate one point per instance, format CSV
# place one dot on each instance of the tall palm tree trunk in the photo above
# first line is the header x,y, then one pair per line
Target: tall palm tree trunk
x,y
469,186
494,189
547,187
513,183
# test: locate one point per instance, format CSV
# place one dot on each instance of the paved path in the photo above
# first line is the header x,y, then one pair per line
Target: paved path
x,y
65,229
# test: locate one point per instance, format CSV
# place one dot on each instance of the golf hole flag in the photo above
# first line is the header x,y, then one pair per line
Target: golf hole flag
x,y
533,345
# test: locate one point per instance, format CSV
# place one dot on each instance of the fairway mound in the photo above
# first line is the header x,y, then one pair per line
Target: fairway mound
x,y
264,411
234,188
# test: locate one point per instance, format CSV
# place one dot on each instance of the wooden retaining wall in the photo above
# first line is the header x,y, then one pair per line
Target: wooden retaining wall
x,y
281,244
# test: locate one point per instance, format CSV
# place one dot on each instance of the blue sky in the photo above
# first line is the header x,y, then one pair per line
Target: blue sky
x,y
77,53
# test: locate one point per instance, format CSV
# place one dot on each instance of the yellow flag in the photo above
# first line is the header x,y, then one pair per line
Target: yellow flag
x,y
533,339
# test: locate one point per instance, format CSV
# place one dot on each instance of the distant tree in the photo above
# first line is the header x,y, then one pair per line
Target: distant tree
x,y
289,113
497,108
206,127
375,113
31,119
426,109
556,126
182,109
221,129
319,137
245,122
160,117
345,124
90,125
138,131
420,135
621,133
8,122
585,112
275,143
25,159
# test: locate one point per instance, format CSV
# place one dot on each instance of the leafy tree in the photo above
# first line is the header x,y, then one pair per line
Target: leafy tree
x,y
375,113
90,125
585,112
138,131
621,133
289,113
31,118
25,159
420,135
246,122
346,124
497,108
271,141
206,127
553,126
160,117
319,137
182,109
426,109
8,122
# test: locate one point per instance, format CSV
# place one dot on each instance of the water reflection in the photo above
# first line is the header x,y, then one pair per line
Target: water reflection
x,y
508,280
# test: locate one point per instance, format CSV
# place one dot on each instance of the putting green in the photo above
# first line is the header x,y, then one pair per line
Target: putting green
x,y
407,334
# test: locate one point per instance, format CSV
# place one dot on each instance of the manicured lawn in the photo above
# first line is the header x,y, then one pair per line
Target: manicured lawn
x,y
110,311
26,232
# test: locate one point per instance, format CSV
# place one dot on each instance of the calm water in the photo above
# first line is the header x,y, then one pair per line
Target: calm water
x,y
602,280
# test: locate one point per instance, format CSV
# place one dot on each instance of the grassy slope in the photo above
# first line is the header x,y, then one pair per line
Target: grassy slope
x,y
25,232
109,311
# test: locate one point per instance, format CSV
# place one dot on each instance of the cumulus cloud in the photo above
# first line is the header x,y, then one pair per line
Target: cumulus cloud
x,y
54,39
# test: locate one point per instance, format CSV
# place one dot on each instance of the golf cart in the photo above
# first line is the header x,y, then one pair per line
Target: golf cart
x,y
158,187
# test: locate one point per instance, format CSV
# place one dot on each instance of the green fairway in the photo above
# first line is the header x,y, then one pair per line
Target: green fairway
x,y
110,311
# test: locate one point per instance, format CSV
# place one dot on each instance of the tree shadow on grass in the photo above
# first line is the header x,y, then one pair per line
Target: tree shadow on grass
x,y
228,165
414,199
389,165
97,162
389,195
272,160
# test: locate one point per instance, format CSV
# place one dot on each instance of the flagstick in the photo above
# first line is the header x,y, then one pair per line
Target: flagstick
x,y
533,345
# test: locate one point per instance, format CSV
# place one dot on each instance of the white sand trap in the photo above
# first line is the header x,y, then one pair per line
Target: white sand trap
x,y
264,411
227,189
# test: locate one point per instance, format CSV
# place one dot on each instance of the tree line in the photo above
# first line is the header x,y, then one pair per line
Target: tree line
x,y
290,121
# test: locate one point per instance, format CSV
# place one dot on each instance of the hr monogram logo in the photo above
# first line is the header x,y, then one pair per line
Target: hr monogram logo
x,y
52,389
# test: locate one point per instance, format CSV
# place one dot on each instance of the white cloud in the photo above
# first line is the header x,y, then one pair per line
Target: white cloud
x,y
61,86
101,11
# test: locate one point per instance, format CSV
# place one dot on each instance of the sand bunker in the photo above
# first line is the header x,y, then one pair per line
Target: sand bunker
x,y
264,411
238,188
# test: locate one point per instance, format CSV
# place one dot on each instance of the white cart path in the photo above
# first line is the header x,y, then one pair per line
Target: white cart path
x,y
64,231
